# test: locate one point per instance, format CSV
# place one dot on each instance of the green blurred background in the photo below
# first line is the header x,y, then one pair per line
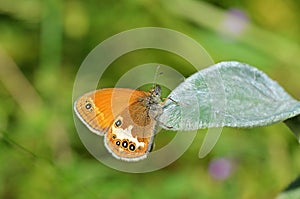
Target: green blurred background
x,y
43,43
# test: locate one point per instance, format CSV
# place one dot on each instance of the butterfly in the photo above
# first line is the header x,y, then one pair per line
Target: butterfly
x,y
126,118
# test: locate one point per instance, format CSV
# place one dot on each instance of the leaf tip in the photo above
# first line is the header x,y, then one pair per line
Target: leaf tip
x,y
294,125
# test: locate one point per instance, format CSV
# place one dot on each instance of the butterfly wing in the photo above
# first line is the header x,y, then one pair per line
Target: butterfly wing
x,y
131,135
124,116
98,109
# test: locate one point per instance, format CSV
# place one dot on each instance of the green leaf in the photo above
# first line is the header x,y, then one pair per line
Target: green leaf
x,y
229,94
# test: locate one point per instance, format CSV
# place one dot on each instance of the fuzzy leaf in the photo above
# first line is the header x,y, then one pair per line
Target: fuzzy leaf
x,y
229,94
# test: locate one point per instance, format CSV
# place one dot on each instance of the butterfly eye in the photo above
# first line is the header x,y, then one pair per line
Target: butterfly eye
x,y
131,147
88,106
125,144
118,123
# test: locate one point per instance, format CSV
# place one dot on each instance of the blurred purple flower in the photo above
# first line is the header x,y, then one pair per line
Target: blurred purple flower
x,y
235,22
220,168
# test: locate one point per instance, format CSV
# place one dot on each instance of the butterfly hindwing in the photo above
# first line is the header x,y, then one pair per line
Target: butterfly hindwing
x,y
130,138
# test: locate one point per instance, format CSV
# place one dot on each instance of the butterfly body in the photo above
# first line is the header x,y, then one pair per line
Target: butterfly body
x,y
126,118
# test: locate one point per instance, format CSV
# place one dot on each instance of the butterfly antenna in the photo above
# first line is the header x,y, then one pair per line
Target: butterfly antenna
x,y
155,77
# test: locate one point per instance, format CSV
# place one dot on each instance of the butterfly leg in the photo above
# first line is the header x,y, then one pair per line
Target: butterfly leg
x,y
152,147
170,98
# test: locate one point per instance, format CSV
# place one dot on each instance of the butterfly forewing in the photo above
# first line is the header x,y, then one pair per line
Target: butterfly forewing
x,y
90,115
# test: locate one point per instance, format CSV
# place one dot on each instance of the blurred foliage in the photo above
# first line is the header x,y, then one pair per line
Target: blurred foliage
x,y
43,44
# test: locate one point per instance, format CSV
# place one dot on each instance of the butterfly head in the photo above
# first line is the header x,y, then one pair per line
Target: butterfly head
x,y
155,95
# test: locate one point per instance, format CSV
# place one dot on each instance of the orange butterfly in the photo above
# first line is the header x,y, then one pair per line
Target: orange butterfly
x,y
125,117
